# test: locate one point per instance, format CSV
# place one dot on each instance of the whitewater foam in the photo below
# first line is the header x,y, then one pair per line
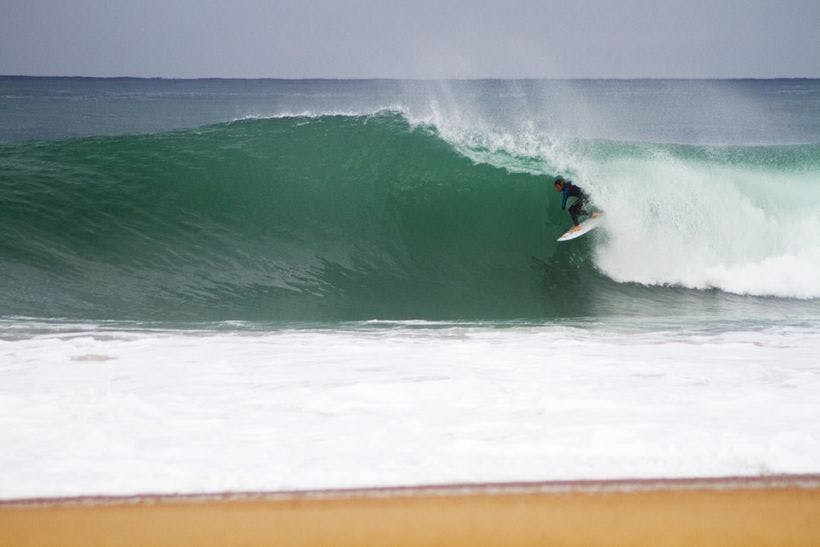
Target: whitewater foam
x,y
117,410
395,109
676,215
702,224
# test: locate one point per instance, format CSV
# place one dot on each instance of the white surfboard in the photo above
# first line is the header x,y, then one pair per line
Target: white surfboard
x,y
586,226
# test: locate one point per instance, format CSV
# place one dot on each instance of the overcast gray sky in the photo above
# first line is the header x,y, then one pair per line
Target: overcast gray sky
x,y
407,39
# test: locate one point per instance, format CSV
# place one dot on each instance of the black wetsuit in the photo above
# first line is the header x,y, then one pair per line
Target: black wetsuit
x,y
577,208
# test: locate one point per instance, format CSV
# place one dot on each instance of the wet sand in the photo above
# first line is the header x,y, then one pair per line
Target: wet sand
x,y
775,510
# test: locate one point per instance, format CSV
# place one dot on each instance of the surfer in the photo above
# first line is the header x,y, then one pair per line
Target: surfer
x,y
572,190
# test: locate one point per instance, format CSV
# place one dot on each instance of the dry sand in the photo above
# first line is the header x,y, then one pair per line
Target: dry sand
x,y
777,510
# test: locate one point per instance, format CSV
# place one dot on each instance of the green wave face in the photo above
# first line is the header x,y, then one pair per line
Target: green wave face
x,y
302,219
298,218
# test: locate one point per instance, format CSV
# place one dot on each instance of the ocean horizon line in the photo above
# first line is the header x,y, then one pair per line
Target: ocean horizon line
x,y
394,79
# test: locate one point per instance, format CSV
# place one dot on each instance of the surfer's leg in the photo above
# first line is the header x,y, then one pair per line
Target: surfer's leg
x,y
582,207
577,209
573,213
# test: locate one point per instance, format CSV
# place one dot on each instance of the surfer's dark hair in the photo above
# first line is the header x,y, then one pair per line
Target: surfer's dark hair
x,y
558,180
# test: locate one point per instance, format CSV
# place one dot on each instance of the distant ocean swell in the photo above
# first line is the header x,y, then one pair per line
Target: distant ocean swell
x,y
359,217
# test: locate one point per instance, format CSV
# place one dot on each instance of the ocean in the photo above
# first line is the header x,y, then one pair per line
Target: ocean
x,y
211,285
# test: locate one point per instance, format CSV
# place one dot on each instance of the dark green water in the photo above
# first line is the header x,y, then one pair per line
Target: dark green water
x,y
296,219
289,218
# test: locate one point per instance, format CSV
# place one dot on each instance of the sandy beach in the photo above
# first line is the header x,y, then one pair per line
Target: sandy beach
x,y
776,510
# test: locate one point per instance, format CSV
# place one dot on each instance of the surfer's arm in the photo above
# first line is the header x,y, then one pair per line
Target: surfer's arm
x,y
564,198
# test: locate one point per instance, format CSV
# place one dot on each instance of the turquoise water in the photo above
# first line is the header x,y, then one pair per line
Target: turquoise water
x,y
346,201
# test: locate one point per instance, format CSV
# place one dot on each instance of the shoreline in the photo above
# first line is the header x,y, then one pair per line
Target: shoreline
x,y
586,486
775,509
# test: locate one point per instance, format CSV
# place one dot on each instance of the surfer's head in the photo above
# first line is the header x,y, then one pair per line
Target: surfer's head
x,y
559,184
